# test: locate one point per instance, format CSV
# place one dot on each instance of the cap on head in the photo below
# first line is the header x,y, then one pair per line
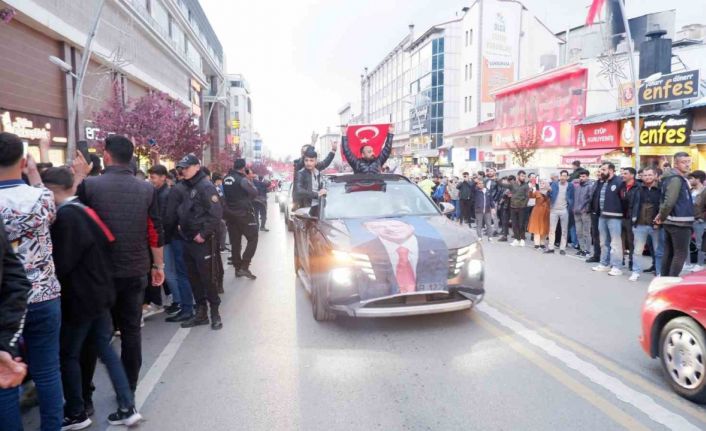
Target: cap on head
x,y
238,164
188,160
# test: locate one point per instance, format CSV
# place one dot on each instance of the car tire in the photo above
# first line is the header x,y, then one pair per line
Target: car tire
x,y
681,341
319,304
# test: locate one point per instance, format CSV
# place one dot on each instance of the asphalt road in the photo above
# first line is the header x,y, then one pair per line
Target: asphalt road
x,y
554,346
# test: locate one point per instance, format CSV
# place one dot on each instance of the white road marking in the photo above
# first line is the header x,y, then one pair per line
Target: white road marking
x,y
147,384
624,393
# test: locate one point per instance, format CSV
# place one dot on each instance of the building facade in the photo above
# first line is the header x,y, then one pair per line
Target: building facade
x,y
241,118
143,45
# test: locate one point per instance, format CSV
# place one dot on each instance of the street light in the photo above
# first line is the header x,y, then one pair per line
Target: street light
x,y
64,66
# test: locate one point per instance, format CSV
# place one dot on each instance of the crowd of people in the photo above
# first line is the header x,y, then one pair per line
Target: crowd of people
x,y
88,252
611,220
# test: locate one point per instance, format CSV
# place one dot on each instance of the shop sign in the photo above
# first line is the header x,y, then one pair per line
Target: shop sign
x,y
33,128
551,134
600,135
675,86
671,130
626,95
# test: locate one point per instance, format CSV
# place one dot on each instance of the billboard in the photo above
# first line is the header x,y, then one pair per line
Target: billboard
x,y
555,99
675,86
597,136
668,130
500,47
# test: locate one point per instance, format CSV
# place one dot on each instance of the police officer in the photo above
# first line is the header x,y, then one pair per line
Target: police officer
x,y
199,217
239,193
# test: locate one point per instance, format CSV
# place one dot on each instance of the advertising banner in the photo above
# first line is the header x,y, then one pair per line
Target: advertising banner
x,y
500,47
367,134
599,135
670,130
675,86
553,100
406,255
552,134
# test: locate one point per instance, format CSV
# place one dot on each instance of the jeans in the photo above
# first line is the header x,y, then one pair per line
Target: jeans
x,y
676,249
518,222
170,273
555,216
41,336
611,241
583,230
261,212
186,297
699,228
457,209
73,336
481,219
640,234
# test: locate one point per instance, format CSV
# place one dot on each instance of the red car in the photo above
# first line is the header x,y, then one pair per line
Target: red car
x,y
673,322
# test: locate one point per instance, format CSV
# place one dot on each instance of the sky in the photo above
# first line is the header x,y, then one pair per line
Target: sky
x,y
303,58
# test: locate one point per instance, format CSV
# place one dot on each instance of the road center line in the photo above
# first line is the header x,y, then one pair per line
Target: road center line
x,y
154,374
624,393
627,375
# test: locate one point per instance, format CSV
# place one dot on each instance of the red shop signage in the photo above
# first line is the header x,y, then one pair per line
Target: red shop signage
x,y
599,135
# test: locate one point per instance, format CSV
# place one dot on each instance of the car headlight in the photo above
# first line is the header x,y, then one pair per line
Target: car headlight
x,y
661,283
349,261
342,276
472,257
475,267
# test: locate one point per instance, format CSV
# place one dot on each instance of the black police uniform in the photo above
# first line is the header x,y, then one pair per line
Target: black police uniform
x,y
239,194
200,214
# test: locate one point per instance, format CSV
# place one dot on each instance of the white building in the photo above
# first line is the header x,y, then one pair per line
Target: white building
x,y
241,119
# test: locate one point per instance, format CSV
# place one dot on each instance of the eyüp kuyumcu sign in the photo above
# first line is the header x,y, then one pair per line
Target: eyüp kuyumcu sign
x,y
675,86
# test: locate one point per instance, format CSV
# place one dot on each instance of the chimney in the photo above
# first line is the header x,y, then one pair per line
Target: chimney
x,y
465,9
655,54
411,31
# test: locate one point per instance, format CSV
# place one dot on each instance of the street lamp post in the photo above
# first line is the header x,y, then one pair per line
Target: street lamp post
x,y
635,85
66,68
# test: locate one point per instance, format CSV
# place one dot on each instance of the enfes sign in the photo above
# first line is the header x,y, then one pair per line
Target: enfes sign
x,y
367,134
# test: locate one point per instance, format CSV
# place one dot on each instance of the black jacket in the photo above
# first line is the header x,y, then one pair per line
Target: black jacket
x,y
201,211
303,194
176,196
363,166
466,190
130,208
238,194
82,260
320,166
14,289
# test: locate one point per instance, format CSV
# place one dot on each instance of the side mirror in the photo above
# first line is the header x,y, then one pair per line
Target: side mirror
x,y
447,208
304,213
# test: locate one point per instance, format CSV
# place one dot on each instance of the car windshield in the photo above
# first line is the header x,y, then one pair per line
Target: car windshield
x,y
376,199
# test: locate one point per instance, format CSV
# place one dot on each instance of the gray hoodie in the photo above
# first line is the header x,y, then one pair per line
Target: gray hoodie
x,y
583,193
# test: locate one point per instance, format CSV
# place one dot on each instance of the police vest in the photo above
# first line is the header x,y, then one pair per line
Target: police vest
x,y
683,210
235,196
612,206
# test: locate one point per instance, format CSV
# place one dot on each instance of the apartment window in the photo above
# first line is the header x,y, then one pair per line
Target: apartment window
x,y
470,37
465,104
465,76
470,103
470,71
466,37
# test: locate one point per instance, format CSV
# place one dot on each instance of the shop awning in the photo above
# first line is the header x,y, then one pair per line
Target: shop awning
x,y
484,128
592,156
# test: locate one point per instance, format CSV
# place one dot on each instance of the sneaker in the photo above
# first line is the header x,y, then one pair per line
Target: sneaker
x,y
77,422
502,239
537,247
522,243
634,276
173,309
182,316
550,251
615,271
650,269
562,252
592,259
601,268
515,243
244,272
696,267
127,417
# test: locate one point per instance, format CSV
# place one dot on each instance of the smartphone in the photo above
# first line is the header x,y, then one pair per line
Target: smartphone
x,y
25,149
82,146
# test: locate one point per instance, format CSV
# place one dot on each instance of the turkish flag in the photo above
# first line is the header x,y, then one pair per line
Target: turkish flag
x,y
594,11
367,134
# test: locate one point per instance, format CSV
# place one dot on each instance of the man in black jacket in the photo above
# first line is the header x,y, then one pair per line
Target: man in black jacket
x,y
466,190
239,193
81,257
130,209
14,288
368,163
308,187
320,166
199,217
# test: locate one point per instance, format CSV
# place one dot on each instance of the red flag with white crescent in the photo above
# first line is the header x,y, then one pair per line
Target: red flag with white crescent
x,y
594,11
367,134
